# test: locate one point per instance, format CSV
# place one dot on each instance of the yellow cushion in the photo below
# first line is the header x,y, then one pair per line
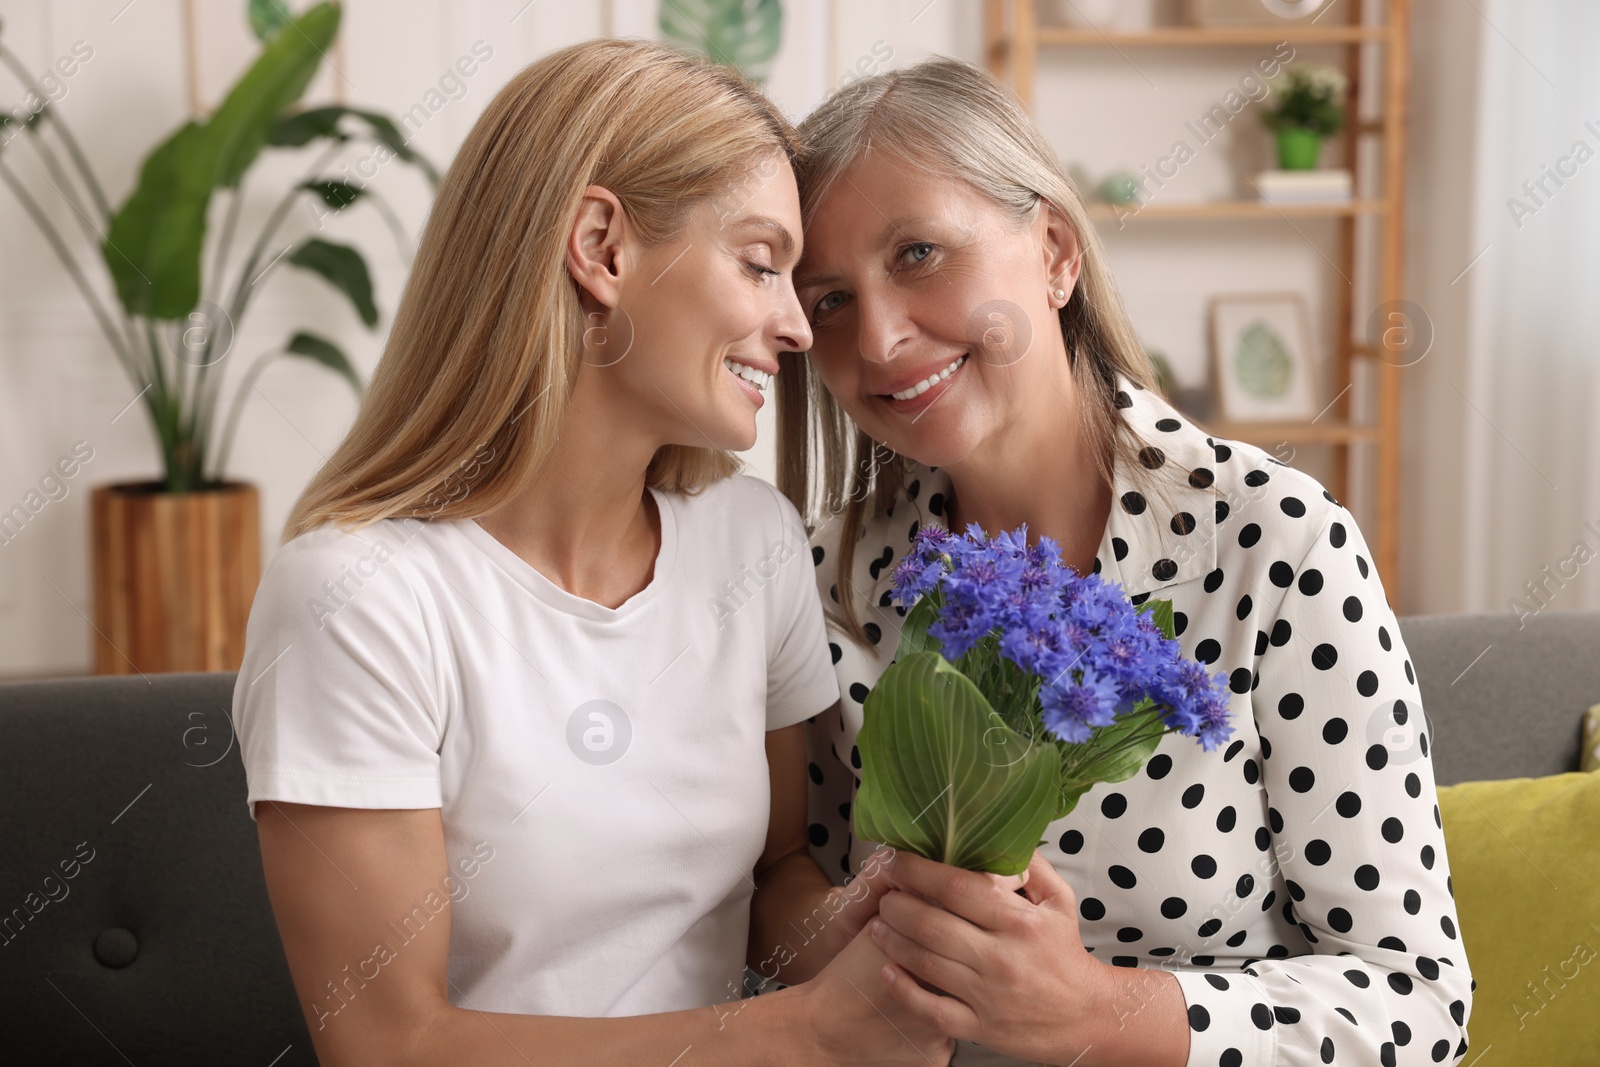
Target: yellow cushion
x,y
1591,739
1525,864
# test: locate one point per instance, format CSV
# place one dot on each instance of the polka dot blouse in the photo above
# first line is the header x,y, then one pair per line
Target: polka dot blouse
x,y
1295,880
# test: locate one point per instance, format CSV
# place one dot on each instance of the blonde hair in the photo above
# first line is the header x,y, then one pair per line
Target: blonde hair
x,y
474,381
957,121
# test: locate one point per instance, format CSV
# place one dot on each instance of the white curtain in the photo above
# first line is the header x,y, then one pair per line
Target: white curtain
x,y
1529,378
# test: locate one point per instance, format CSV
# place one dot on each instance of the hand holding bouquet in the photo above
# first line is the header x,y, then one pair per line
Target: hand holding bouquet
x,y
1018,684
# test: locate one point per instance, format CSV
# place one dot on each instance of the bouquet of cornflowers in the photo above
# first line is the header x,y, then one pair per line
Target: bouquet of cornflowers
x,y
1018,684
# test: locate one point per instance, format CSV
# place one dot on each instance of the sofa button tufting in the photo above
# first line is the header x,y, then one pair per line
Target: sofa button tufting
x,y
116,947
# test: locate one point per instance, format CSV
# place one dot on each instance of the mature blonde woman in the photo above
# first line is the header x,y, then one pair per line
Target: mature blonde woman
x,y
1285,900
525,682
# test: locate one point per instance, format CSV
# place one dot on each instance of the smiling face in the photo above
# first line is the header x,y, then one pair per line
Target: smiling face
x,y
700,321
933,315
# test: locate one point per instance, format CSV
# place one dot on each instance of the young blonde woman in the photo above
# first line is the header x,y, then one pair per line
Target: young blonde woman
x,y
1284,900
528,677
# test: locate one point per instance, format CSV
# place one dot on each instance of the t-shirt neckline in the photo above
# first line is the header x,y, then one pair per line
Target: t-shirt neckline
x,y
529,577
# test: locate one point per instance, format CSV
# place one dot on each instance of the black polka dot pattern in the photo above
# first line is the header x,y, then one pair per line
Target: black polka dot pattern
x,y
1299,888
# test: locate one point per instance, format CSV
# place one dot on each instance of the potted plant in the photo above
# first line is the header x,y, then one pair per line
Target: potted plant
x,y
1306,107
176,559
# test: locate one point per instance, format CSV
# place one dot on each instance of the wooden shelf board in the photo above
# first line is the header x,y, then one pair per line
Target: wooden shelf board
x,y
1186,36
1266,434
1233,209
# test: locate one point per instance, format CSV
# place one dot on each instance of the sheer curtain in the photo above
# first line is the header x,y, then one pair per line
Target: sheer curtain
x,y
1510,421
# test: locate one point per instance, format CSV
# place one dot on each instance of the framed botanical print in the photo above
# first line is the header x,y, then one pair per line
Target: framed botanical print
x,y
1261,353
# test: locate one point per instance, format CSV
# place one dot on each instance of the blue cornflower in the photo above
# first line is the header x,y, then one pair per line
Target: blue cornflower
x,y
963,622
914,577
1071,709
1094,655
1033,648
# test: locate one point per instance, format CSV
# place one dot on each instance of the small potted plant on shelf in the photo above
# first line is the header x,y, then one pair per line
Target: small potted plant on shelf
x,y
1306,106
176,559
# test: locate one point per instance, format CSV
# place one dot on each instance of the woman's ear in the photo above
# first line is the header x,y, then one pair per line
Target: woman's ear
x,y
595,248
1063,252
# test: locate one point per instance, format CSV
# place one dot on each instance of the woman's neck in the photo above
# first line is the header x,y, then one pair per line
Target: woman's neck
x,y
586,521
1042,471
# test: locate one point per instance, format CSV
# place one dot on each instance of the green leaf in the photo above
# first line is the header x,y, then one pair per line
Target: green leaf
x,y
8,120
386,132
152,247
914,631
242,124
326,353
344,269
1161,614
945,777
154,243
1113,754
741,33
334,193
267,17
302,127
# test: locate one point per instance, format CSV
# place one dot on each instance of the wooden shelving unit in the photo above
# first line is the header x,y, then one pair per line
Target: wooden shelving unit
x,y
1167,36
1235,209
1013,40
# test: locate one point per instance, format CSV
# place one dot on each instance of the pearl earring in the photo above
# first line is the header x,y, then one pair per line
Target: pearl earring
x,y
1060,294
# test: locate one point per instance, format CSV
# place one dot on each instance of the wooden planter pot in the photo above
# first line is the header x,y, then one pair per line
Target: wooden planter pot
x,y
174,575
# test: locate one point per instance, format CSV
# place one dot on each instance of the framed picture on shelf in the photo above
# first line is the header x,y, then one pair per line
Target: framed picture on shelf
x,y
1261,355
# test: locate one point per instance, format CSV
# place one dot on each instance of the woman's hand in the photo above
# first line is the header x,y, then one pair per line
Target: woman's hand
x,y
799,920
1019,979
851,906
853,1020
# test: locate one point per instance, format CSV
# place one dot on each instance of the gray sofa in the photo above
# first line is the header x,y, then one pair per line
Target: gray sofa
x,y
161,947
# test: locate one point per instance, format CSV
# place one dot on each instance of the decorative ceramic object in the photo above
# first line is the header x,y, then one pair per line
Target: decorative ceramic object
x,y
1119,187
1260,12
1086,14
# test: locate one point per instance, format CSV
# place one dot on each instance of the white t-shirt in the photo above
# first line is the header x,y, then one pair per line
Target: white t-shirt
x,y
600,772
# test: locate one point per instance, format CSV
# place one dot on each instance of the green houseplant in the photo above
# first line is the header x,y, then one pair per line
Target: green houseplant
x,y
1306,107
176,559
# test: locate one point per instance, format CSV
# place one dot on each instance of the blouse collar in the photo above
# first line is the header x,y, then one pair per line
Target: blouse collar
x,y
1162,528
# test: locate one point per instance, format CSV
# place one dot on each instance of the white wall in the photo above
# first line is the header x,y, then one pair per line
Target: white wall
x,y
1438,246
59,384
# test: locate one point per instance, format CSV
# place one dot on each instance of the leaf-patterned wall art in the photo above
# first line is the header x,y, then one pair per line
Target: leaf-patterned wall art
x,y
742,33
1263,358
1261,362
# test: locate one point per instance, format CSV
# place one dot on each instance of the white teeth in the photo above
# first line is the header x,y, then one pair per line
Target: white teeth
x,y
929,382
754,375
